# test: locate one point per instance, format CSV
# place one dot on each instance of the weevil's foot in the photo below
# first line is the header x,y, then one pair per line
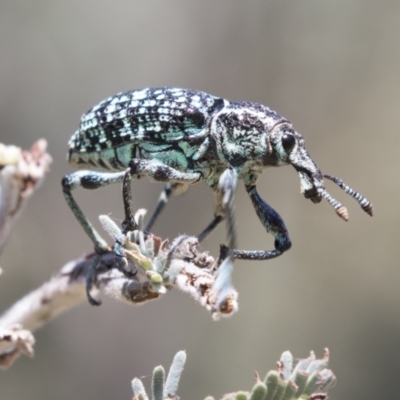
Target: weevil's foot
x,y
121,261
129,225
92,301
128,269
124,267
102,249
223,254
90,278
130,274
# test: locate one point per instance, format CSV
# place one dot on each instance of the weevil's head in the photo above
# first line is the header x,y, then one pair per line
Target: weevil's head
x,y
286,146
250,137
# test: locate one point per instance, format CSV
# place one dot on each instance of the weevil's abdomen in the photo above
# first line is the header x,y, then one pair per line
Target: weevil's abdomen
x,y
142,124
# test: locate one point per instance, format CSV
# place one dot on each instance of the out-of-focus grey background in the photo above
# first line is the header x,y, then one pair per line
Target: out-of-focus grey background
x,y
333,69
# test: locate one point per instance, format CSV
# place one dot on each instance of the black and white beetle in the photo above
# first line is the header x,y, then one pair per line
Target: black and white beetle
x,y
182,137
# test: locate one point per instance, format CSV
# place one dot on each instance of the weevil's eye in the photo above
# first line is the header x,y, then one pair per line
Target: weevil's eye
x,y
288,142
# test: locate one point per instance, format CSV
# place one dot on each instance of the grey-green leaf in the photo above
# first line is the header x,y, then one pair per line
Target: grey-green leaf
x,y
158,383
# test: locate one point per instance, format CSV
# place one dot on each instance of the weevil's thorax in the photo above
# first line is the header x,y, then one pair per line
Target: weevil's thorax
x,y
241,133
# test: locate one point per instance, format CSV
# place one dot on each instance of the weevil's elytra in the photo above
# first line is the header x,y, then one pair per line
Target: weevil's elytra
x,y
143,124
182,137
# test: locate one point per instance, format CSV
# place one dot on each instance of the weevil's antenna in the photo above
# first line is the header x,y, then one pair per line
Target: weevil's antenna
x,y
339,208
365,204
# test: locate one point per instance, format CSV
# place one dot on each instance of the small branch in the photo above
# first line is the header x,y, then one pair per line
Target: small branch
x,y
20,341
63,292
21,173
156,266
141,268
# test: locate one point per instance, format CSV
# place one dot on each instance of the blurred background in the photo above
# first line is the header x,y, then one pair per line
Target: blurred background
x,y
330,67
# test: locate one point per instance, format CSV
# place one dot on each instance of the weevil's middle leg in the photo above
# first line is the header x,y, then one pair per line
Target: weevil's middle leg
x,y
129,223
177,189
176,181
160,172
170,189
211,226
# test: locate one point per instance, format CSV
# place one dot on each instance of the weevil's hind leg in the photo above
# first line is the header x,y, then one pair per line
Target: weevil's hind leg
x,y
170,189
273,223
89,180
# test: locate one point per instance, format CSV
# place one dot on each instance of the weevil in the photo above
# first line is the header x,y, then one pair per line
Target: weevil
x,y
182,137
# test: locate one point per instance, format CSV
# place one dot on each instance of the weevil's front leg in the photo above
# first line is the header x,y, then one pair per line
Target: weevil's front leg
x,y
273,223
170,189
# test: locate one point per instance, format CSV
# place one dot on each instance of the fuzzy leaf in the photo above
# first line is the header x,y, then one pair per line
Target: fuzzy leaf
x,y
171,385
139,392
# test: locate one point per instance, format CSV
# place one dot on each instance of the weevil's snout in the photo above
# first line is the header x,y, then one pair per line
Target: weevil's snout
x,y
312,194
313,188
287,147
312,181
